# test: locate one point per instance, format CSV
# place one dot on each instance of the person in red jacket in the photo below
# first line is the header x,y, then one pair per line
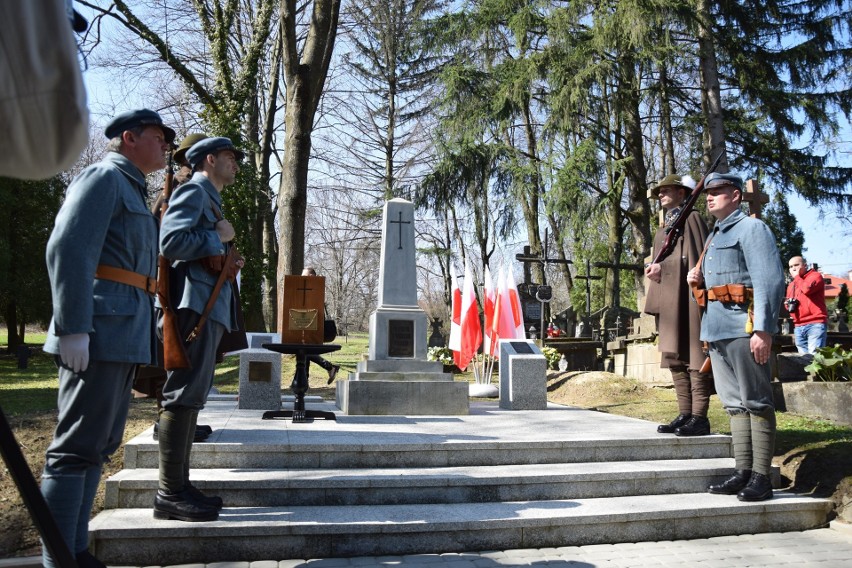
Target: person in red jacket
x,y
806,303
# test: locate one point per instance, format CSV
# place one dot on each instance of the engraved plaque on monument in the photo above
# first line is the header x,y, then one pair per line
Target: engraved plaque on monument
x,y
301,313
260,371
400,338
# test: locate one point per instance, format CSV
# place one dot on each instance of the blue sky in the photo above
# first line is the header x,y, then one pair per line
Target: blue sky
x,y
827,240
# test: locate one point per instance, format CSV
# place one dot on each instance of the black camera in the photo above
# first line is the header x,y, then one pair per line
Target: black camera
x,y
792,304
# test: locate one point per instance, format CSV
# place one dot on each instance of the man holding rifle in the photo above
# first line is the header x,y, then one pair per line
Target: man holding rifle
x,y
678,318
197,239
743,283
102,262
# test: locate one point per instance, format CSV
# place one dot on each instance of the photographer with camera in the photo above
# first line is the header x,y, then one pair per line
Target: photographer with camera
x,y
805,301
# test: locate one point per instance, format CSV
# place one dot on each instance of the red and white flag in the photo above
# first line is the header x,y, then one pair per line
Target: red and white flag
x,y
517,314
489,296
471,332
455,324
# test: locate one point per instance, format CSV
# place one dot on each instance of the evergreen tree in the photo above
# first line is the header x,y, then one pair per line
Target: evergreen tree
x,y
788,236
27,211
786,71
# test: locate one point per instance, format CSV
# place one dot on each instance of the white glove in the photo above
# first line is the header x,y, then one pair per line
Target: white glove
x,y
74,351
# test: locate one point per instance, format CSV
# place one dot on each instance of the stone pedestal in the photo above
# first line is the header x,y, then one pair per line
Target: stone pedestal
x,y
397,379
410,388
260,380
523,376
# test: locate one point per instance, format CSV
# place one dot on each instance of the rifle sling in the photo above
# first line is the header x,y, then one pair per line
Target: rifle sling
x,y
214,295
122,276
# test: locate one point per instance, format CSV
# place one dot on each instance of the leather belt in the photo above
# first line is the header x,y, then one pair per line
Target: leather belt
x,y
730,293
122,276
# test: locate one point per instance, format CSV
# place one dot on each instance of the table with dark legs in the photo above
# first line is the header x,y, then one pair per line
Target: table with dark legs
x,y
299,386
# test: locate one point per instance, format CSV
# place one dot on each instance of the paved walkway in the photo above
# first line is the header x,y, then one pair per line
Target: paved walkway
x,y
829,548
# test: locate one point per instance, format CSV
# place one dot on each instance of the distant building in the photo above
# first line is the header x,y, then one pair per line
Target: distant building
x,y
833,283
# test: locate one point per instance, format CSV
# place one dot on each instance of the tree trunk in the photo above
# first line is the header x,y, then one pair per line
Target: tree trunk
x,y
305,76
639,212
711,99
12,325
668,165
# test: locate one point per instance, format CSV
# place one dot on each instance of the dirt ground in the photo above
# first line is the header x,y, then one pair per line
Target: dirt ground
x,y
824,472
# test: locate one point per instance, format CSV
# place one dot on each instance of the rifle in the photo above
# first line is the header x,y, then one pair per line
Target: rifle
x,y
674,232
174,351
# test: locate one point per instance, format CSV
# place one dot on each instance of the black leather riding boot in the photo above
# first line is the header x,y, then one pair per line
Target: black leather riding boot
x,y
207,500
175,426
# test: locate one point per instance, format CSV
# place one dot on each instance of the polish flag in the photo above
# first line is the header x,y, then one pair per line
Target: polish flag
x,y
489,298
471,332
455,342
517,315
500,327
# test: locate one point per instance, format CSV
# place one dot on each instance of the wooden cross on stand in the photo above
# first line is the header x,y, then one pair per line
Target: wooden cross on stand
x,y
588,278
755,198
527,258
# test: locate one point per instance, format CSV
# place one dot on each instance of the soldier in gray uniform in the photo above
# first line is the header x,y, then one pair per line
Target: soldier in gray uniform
x,y
744,281
196,238
102,263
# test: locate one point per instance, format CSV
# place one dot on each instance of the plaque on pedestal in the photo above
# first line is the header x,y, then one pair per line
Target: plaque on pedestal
x,y
302,309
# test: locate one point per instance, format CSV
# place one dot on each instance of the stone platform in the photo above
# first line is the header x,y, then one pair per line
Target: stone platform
x,y
390,485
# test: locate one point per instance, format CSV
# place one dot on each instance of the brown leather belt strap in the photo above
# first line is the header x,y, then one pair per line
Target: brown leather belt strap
x,y
122,276
749,294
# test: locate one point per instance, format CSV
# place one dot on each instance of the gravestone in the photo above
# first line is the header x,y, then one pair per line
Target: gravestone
x,y
396,378
260,374
523,376
436,338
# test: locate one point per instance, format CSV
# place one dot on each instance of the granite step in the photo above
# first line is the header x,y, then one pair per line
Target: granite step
x,y
133,537
529,482
267,449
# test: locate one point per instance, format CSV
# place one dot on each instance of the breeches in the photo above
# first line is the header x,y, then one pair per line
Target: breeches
x,y
92,414
189,387
741,383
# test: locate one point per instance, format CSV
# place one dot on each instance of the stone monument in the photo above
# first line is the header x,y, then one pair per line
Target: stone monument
x,y
260,374
396,378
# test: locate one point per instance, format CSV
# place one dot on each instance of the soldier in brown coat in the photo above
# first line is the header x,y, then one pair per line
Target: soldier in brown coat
x,y
677,315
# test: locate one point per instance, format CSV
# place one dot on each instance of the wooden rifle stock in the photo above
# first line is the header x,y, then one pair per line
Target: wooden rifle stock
x,y
174,351
674,232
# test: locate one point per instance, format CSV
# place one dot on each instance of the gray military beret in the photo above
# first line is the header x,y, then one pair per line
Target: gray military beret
x,y
134,118
718,180
208,146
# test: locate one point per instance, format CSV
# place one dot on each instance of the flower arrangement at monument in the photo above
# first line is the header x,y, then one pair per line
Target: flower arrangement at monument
x,y
442,354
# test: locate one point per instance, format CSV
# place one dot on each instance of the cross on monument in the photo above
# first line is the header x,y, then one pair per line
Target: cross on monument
x,y
400,223
304,290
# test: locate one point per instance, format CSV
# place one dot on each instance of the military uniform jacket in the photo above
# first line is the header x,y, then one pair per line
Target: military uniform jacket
x,y
104,220
742,250
188,234
678,317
